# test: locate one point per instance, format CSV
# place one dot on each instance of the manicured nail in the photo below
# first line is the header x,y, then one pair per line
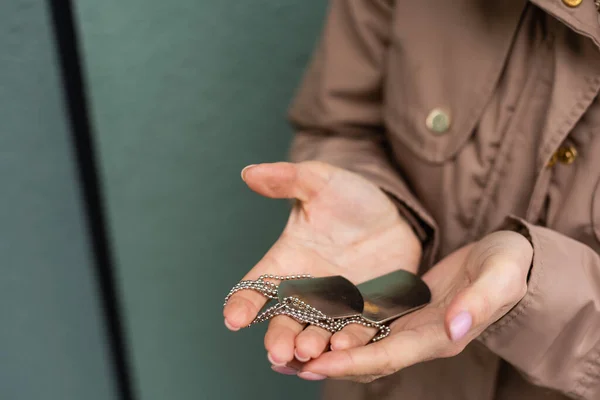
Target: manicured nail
x,y
299,358
246,169
460,325
310,376
274,362
231,327
284,370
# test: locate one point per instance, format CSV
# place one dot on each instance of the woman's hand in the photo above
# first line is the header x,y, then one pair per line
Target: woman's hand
x,y
341,224
472,288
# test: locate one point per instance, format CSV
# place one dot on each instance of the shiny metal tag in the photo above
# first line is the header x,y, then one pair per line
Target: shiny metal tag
x,y
393,295
334,296
378,300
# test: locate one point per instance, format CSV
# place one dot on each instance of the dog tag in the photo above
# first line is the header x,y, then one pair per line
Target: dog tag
x,y
393,295
334,296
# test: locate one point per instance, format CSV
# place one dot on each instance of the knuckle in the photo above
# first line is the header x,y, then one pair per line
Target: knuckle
x,y
359,335
351,362
512,301
481,307
351,337
314,350
307,345
514,285
503,310
522,291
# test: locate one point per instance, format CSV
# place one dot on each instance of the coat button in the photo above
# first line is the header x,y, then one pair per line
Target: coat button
x,y
438,121
565,155
572,3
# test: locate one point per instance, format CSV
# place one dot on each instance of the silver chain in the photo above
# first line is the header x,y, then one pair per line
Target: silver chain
x,y
298,309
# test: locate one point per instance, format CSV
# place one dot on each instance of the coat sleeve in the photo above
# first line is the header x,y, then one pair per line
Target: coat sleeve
x,y
337,111
553,335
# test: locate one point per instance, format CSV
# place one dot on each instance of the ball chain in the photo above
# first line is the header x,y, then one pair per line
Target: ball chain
x,y
298,309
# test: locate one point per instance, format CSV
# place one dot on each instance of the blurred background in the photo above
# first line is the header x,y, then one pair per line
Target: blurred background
x,y
131,190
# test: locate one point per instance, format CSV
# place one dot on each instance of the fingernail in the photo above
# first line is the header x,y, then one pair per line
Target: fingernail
x,y
284,370
311,376
273,361
460,325
231,327
337,346
299,358
246,169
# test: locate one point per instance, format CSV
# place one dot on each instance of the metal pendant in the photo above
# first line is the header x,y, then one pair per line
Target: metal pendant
x,y
378,300
334,296
332,303
393,295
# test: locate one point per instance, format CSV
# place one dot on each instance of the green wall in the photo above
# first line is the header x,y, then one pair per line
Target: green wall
x,y
52,336
184,94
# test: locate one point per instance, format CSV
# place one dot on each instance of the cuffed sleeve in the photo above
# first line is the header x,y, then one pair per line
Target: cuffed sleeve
x,y
337,112
553,335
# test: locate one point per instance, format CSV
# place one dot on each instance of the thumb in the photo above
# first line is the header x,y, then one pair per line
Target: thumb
x,y
285,180
500,282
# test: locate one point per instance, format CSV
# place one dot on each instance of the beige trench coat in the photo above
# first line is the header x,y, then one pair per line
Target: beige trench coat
x,y
472,113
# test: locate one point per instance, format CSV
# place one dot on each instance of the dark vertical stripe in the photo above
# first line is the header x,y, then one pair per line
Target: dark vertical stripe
x,y
76,102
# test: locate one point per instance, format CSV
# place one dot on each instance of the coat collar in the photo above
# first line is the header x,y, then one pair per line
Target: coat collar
x,y
583,19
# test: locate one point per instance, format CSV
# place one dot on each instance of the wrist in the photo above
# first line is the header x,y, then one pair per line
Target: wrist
x,y
422,233
421,230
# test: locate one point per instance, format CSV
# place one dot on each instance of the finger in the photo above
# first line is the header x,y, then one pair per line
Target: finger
x,y
284,370
243,306
382,358
290,368
311,343
280,339
288,180
351,336
500,285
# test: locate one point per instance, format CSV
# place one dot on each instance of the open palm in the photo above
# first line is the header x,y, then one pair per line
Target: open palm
x,y
341,224
472,288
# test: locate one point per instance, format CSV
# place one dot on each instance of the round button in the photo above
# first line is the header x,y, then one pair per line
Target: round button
x,y
564,154
572,3
567,155
438,121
